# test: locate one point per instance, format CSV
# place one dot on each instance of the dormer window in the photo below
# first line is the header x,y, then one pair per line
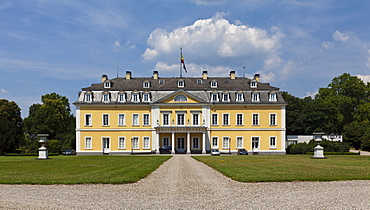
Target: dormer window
x,y
214,97
213,84
226,97
121,97
88,97
161,81
272,97
180,83
106,97
146,97
199,81
180,98
253,84
255,97
135,97
146,84
106,84
239,97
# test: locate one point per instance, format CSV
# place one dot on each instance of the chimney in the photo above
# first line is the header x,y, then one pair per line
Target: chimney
x,y
155,74
104,77
205,75
257,77
128,74
232,74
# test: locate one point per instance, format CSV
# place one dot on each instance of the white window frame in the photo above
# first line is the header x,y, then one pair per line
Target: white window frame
x,y
195,143
120,144
146,97
272,139
146,122
89,123
255,97
253,84
180,83
146,84
214,97
164,123
106,84
213,84
239,142
212,120
226,142
121,122
239,97
164,139
226,97
215,142
241,123
146,142
135,144
135,116
179,123
88,145
121,97
180,98
257,119
227,119
135,97
273,119
252,142
108,120
195,119
88,97
272,97
105,97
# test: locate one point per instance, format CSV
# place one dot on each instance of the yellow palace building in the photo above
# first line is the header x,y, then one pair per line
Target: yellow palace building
x,y
190,114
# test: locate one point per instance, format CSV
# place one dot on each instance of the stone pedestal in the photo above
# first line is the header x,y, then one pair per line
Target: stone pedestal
x,y
318,152
43,153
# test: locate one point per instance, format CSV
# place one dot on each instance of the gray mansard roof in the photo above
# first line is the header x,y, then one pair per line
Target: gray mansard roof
x,y
199,88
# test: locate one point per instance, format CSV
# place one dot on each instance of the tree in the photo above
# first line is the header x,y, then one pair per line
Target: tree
x,y
11,126
52,117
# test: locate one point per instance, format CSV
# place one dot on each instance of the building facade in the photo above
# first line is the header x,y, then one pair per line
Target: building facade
x,y
193,115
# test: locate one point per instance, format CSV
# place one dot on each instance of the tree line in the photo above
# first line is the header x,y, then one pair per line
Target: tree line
x,y
343,107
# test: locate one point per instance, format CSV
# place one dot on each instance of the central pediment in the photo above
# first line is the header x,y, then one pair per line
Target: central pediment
x,y
182,96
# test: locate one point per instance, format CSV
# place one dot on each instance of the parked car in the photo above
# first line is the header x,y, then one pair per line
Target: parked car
x,y
165,150
215,152
70,152
242,152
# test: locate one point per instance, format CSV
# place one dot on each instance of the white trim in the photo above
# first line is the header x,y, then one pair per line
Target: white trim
x,y
148,119
283,133
102,141
192,142
236,120
102,117
242,139
78,135
216,119
212,145
272,146
258,119
138,119
90,123
228,142
138,142
259,142
91,140
148,147
247,129
276,117
223,119
118,129
124,119
124,142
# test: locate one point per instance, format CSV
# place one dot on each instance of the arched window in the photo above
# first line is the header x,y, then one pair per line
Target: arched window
x,y
180,98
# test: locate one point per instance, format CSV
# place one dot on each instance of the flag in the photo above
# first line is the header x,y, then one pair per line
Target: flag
x,y
183,62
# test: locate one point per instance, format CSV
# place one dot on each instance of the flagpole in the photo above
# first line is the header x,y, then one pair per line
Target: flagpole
x,y
180,62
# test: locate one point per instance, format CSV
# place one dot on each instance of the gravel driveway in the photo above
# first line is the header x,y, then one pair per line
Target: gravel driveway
x,y
184,183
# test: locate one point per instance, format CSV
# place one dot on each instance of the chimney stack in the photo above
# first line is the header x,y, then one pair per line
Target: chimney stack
x,y
155,74
128,74
257,77
205,75
232,74
104,77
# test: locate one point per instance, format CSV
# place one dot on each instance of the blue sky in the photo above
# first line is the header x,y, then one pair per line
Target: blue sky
x,y
62,46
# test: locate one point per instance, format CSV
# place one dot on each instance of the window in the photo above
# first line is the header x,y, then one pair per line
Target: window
x,y
213,84
88,97
121,143
272,97
88,143
214,119
166,119
166,141
146,144
195,143
195,119
272,119
106,84
214,97
225,119
255,119
255,142
146,84
106,97
135,97
225,142
272,142
239,142
239,119
180,98
239,97
226,97
135,142
121,97
161,81
255,97
180,119
199,81
105,119
135,119
88,120
214,142
146,121
180,83
121,120
253,84
146,97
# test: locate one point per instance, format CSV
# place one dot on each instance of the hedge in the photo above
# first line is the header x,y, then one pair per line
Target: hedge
x,y
336,153
28,154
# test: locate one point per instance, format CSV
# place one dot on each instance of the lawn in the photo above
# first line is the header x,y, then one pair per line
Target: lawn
x,y
77,169
261,168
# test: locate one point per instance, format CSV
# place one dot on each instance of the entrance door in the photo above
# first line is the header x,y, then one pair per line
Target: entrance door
x,y
105,145
181,144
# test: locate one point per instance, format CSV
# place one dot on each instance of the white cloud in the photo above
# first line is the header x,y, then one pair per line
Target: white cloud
x,y
5,5
368,59
327,45
338,36
117,43
312,95
364,78
3,90
208,2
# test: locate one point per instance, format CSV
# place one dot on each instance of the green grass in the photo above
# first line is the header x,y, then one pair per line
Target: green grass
x,y
77,169
260,168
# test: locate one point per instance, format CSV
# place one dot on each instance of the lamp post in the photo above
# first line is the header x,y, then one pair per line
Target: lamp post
x,y
43,151
229,145
132,145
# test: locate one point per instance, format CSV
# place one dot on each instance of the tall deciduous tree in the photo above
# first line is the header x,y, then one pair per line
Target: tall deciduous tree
x,y
52,117
10,126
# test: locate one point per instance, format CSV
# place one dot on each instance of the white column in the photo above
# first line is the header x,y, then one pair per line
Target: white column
x,y
283,128
157,142
188,143
204,143
78,136
173,143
